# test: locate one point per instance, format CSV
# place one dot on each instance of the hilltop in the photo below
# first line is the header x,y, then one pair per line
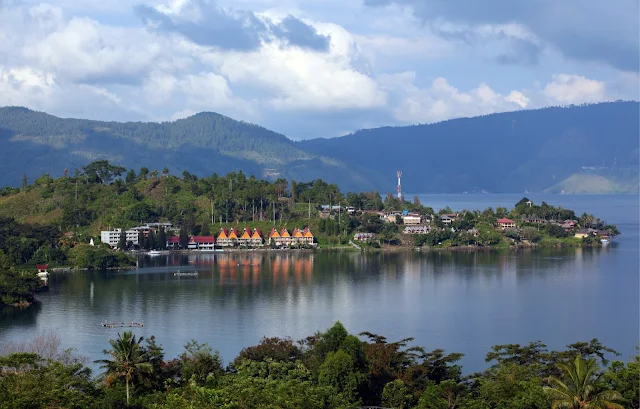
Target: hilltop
x,y
552,149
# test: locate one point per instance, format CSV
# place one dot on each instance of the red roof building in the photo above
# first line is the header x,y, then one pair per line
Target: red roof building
x,y
505,223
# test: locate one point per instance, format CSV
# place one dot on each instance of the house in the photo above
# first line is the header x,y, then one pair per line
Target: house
x,y
173,242
351,210
256,238
297,236
285,237
505,224
446,220
412,219
245,238
582,233
202,242
416,230
308,236
364,237
533,220
390,217
234,236
568,225
274,237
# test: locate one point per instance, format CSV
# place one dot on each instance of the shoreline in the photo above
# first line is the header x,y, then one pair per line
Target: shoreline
x,y
350,249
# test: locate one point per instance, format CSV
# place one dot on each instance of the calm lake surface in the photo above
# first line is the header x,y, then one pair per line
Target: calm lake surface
x,y
460,301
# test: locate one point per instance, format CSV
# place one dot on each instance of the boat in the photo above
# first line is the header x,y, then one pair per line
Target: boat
x,y
604,241
154,253
187,274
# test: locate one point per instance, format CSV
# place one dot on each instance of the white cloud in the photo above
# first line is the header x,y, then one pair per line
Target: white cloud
x,y
442,101
574,89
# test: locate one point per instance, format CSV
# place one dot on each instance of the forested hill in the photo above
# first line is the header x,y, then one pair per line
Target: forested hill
x,y
579,149
35,143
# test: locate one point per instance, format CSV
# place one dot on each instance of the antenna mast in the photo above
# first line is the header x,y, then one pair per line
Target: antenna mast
x,y
399,185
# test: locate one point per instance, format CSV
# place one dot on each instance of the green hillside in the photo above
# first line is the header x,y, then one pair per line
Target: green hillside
x,y
531,150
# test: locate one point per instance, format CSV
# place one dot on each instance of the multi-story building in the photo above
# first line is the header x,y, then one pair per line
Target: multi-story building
x,y
112,237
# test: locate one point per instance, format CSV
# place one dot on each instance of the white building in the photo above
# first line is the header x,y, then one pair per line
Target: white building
x,y
112,237
413,219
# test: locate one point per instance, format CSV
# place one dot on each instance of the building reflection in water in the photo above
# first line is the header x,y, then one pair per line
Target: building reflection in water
x,y
246,269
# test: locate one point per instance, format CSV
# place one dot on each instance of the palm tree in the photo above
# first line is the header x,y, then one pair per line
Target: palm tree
x,y
128,361
578,388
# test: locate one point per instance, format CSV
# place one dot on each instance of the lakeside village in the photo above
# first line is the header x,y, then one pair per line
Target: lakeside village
x,y
391,228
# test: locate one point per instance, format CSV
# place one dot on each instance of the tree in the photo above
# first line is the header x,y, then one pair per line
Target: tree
x,y
25,182
338,371
128,361
183,238
205,231
122,243
396,395
199,362
162,239
130,179
142,240
151,240
102,172
579,388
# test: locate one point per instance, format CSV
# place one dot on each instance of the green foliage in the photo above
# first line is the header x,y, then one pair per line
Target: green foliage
x,y
98,257
16,287
200,364
396,395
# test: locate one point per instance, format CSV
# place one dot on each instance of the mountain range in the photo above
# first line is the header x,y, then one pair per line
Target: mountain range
x,y
575,149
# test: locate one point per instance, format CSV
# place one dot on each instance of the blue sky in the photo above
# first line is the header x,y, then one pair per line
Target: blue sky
x,y
315,68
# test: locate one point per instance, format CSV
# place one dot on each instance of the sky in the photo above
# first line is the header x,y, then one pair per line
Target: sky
x,y
315,68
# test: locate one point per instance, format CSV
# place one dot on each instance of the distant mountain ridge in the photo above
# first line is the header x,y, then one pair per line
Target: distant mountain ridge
x,y
550,149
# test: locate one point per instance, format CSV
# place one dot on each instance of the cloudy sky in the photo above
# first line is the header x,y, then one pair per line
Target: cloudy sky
x,y
315,68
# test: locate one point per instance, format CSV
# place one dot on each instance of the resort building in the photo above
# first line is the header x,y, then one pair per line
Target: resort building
x,y
112,237
283,238
256,238
412,219
201,243
245,238
506,224
364,237
228,238
416,230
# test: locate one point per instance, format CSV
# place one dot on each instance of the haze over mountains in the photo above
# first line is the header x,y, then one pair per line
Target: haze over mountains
x,y
578,149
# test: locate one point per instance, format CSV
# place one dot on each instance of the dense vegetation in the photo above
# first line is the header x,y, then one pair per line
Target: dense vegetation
x,y
43,221
591,148
333,369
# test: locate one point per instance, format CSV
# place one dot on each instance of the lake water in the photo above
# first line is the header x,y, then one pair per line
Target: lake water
x,y
460,301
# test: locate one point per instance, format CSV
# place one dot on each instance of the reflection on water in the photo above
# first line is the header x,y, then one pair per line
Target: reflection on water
x,y
463,301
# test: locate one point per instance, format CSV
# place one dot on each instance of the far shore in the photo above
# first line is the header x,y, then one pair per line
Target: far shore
x,y
345,248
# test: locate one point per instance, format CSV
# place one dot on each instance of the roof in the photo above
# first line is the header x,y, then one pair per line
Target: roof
x,y
224,233
274,232
505,221
284,232
202,239
297,233
42,266
233,234
257,234
246,233
307,233
173,239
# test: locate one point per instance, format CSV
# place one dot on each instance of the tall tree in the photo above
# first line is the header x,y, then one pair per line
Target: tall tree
x,y
162,239
151,240
205,230
25,181
122,243
127,361
579,389
142,240
183,239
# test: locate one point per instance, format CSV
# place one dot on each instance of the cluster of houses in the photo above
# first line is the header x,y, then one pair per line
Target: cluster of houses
x,y
227,238
112,237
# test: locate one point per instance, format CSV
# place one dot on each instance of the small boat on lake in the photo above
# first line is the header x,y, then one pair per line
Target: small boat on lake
x,y
186,274
154,253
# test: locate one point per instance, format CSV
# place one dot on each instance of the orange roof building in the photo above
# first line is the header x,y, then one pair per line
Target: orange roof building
x,y
256,238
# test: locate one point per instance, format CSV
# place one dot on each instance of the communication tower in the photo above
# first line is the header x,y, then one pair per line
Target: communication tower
x,y
399,185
